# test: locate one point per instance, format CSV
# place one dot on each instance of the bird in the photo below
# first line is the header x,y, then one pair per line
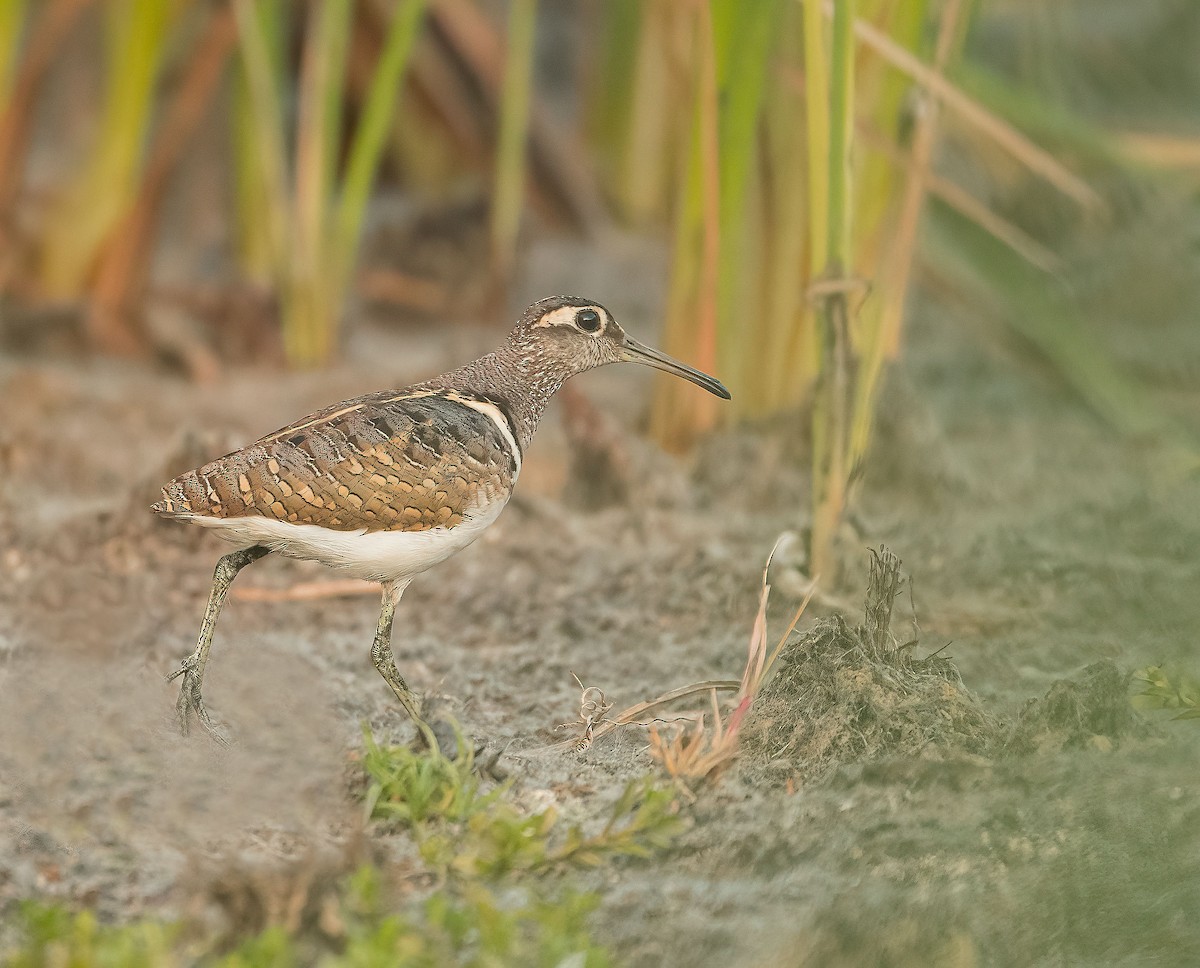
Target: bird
x,y
384,486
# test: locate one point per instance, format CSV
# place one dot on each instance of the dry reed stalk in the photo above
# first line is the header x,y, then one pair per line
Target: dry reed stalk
x,y
966,204
692,304
1033,157
100,191
46,35
701,754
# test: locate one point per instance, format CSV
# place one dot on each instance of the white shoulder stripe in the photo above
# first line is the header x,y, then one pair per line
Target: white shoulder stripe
x,y
500,420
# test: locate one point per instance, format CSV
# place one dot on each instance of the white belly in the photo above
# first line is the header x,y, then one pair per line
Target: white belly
x,y
373,555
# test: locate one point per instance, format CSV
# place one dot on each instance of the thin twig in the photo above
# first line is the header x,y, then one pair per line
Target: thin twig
x,y
628,716
306,591
1033,156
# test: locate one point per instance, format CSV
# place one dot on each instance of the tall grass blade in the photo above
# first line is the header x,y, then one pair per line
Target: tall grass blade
x,y
881,329
966,204
784,352
988,273
841,130
658,132
834,393
612,91
508,193
310,324
261,28
12,29
816,114
45,35
371,133
970,111
744,40
125,259
135,33
253,142
692,301
1038,118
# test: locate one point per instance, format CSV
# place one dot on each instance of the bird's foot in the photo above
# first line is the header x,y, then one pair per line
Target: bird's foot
x,y
453,744
191,701
442,736
439,730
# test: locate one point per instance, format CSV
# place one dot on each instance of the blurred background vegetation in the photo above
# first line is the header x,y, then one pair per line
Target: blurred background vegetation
x,y
190,181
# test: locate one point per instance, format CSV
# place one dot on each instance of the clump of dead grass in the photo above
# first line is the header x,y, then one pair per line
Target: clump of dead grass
x,y
844,693
835,694
1091,709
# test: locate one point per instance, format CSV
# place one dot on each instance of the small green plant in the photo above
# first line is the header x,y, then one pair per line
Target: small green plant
x,y
52,935
481,851
504,841
462,832
272,948
470,928
416,788
1161,689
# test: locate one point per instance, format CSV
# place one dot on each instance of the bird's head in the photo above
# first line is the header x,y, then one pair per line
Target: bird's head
x,y
570,334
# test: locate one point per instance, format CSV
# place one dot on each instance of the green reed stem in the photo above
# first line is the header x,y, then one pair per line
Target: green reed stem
x,y
745,42
816,104
261,28
253,142
787,367
834,394
12,28
371,134
310,327
508,193
841,127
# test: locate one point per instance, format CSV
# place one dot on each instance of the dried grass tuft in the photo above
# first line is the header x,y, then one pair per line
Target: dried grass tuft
x,y
1091,709
702,753
843,693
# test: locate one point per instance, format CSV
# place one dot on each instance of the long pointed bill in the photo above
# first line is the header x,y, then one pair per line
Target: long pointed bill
x,y
635,352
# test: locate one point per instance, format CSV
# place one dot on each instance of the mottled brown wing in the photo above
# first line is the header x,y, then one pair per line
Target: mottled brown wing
x,y
382,462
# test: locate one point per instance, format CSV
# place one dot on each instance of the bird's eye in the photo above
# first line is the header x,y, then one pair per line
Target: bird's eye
x,y
588,320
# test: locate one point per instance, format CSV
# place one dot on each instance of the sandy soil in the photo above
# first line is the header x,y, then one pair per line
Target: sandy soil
x,y
1039,543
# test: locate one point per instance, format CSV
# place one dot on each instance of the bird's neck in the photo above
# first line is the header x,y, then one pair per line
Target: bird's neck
x,y
521,384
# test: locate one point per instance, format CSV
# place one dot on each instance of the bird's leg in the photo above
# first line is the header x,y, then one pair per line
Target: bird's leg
x,y
385,662
192,668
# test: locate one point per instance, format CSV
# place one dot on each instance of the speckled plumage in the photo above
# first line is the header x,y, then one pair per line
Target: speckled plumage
x,y
388,484
406,462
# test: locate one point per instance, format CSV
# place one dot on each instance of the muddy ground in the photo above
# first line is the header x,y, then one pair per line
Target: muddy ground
x,y
1039,541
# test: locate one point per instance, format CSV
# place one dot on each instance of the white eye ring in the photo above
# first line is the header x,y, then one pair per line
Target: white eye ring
x,y
588,320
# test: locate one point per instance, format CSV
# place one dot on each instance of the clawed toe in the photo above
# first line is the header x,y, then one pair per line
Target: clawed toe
x,y
191,701
186,666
